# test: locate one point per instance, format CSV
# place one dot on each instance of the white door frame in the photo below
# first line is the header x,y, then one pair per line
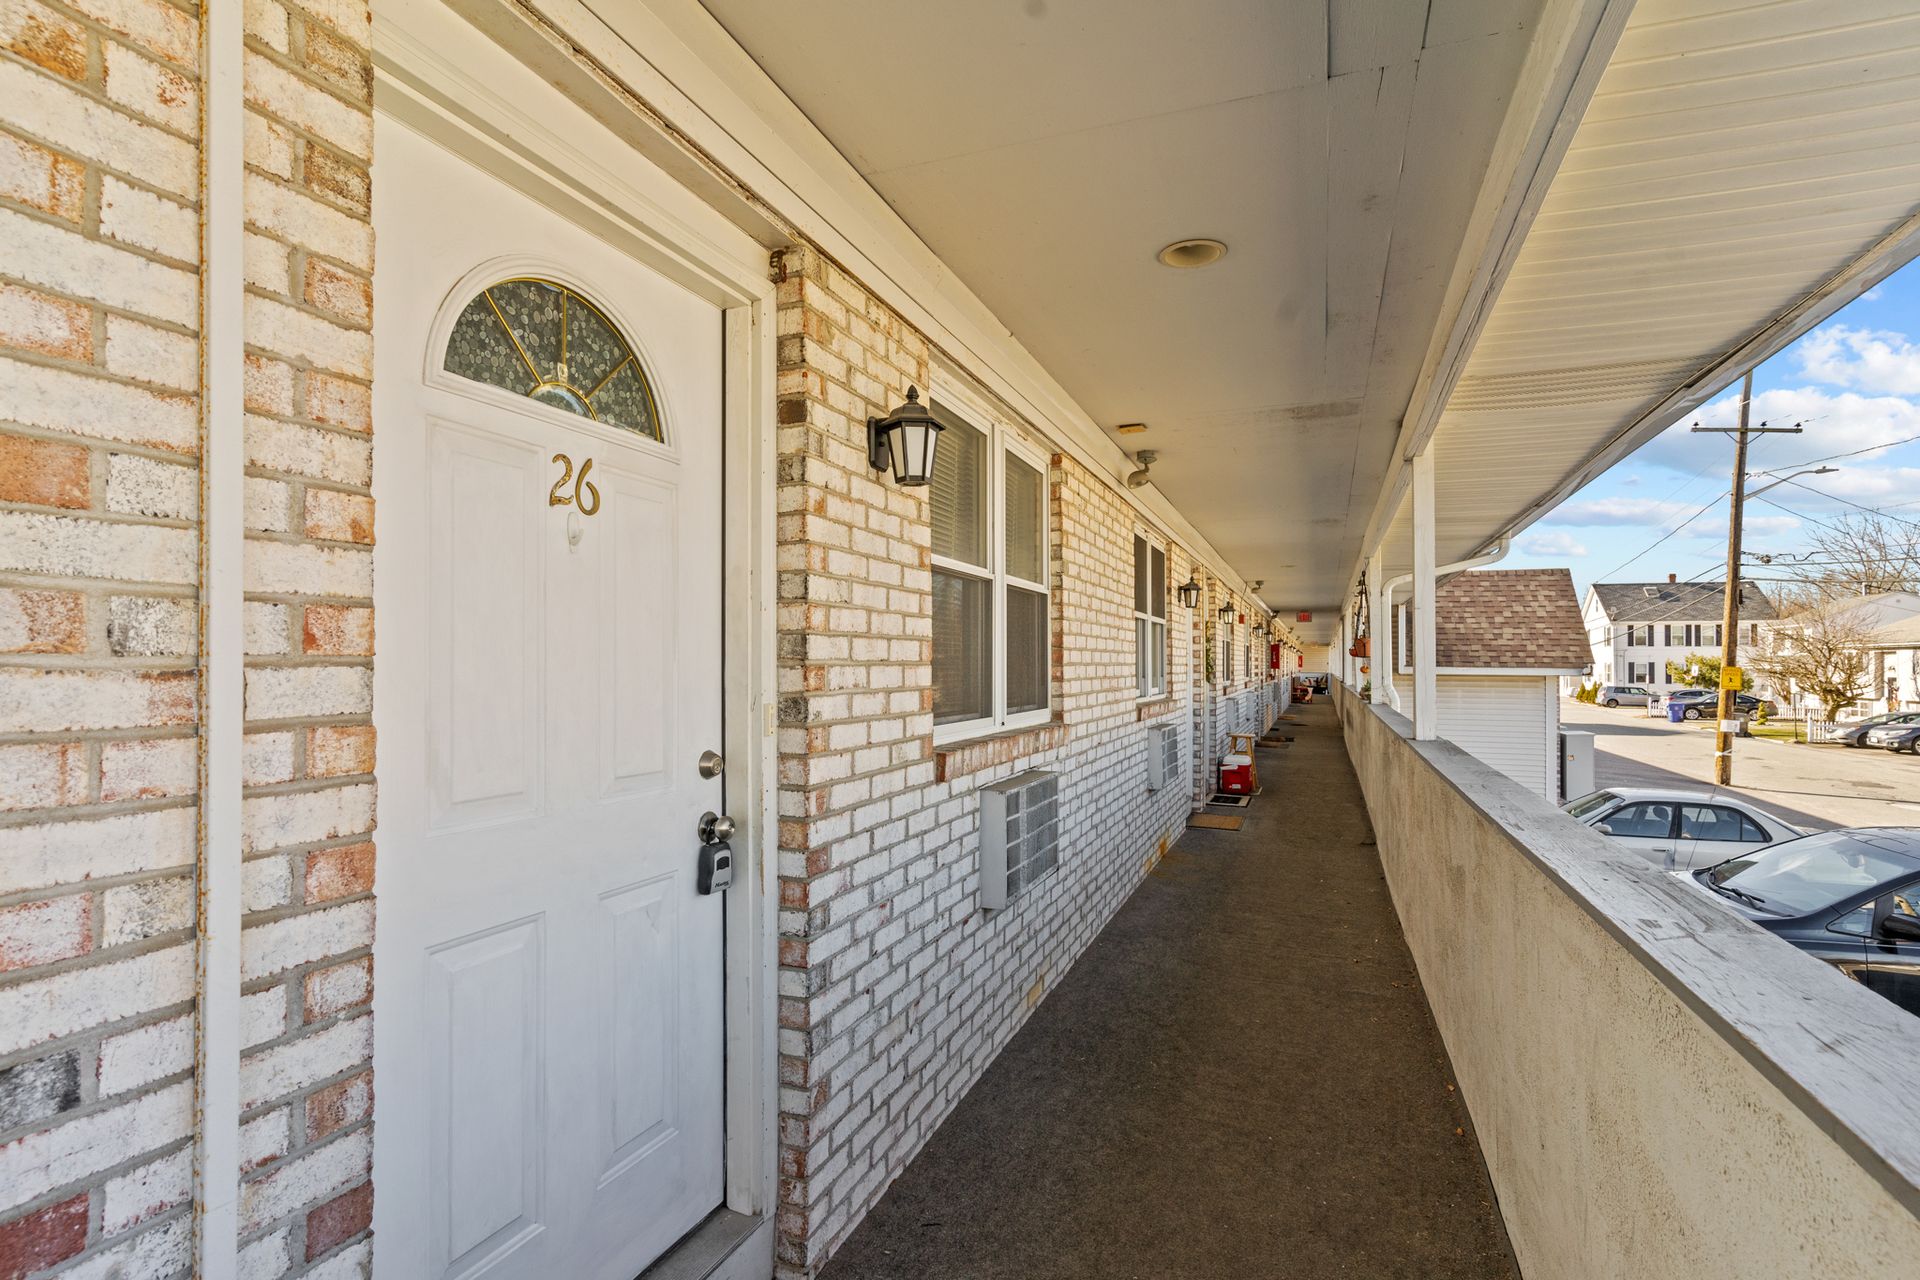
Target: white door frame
x,y
439,77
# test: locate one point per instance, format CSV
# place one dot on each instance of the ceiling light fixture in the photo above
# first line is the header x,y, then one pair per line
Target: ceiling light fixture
x,y
1130,428
1146,458
1193,253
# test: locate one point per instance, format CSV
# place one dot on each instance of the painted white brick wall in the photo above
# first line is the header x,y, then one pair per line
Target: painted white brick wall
x,y
896,989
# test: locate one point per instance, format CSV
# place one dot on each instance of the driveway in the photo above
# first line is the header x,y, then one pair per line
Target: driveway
x,y
1815,787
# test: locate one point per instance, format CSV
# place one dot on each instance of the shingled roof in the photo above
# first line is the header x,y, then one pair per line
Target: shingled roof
x,y
1679,601
1511,618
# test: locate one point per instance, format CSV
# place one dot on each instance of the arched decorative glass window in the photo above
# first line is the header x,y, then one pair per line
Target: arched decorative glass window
x,y
542,340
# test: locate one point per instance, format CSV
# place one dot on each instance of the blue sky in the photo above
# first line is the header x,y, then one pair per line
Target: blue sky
x,y
1853,382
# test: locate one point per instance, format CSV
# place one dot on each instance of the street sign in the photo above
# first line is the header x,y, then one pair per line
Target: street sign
x,y
1730,678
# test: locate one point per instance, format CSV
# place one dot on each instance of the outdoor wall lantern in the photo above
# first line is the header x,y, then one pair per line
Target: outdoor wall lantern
x,y
905,439
1226,612
1189,593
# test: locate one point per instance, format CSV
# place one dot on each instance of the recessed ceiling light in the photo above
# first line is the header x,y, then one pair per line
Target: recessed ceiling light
x,y
1193,253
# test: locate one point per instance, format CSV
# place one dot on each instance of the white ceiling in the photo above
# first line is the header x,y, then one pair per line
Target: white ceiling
x,y
1737,157
1046,150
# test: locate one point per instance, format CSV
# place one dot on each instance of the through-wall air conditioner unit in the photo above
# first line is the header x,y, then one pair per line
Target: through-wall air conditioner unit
x,y
1019,835
1163,756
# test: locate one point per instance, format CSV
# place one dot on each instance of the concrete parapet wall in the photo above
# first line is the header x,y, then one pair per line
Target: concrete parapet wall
x,y
1659,1088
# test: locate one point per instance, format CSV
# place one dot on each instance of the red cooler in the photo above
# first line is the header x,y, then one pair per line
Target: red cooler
x,y
1236,775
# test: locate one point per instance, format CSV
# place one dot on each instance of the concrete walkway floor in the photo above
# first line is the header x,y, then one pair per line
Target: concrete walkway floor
x,y
1239,1078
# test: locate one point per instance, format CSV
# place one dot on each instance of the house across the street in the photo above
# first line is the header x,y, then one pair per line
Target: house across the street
x,y
1635,628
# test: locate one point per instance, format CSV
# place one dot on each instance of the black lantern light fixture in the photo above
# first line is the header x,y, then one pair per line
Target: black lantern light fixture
x,y
905,440
1226,612
1189,592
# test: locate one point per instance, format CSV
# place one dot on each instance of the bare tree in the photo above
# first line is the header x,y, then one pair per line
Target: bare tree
x,y
1820,651
1861,553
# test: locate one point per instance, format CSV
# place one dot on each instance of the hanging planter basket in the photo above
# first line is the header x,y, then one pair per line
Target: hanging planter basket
x,y
1362,648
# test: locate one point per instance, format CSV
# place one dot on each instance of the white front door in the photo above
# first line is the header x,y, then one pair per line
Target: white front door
x,y
548,977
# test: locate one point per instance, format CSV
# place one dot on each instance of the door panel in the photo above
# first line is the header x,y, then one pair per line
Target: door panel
x,y
485,610
637,1083
484,1028
639,584
549,1008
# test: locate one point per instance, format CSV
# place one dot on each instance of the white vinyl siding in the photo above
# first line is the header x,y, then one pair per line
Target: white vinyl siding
x,y
1510,722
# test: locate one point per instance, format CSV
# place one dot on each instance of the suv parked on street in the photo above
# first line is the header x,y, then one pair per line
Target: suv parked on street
x,y
1623,695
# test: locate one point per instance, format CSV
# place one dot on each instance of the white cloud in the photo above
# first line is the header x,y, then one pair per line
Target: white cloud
x,y
1833,424
1588,513
1551,542
1862,359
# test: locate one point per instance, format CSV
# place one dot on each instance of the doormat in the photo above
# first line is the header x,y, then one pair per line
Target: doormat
x,y
1215,821
1224,798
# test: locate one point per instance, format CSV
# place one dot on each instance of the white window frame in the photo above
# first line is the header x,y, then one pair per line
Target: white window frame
x,y
1001,441
1144,692
1226,646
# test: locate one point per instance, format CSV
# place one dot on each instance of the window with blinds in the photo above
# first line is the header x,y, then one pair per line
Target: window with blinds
x,y
1149,617
992,649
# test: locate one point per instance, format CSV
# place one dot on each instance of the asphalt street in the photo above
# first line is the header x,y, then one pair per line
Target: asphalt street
x,y
1817,787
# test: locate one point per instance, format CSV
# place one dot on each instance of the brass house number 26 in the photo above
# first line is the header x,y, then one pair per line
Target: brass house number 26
x,y
585,498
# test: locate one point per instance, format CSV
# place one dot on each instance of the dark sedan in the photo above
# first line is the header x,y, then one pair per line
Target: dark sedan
x,y
1851,898
1703,702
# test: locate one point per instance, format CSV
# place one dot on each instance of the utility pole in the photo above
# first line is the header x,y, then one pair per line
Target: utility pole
x,y
1730,613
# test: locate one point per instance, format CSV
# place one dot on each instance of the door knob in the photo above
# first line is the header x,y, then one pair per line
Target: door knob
x,y
715,828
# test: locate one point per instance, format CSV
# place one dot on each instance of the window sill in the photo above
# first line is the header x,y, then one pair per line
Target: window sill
x,y
1154,708
955,760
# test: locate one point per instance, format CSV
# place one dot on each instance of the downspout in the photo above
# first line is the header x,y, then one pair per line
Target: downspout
x,y
1481,561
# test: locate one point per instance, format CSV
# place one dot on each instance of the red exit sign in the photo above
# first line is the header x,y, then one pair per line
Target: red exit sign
x,y
1306,616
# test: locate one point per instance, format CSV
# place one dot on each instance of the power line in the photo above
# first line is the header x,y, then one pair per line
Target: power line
x,y
1872,448
1663,537
1849,502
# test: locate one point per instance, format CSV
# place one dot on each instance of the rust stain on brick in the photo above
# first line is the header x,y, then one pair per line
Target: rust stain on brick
x,y
329,174
339,292
48,40
1038,991
42,621
53,1234
345,872
339,1220
44,473
340,630
338,1105
34,321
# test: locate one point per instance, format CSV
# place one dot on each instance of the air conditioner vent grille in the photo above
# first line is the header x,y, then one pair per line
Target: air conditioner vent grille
x,y
1019,835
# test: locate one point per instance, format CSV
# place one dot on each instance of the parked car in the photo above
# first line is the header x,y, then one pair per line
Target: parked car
x,y
1679,829
1896,735
1855,734
1704,702
1850,897
1624,695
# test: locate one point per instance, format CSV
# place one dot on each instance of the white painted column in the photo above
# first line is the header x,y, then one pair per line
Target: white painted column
x,y
216,1131
1376,615
1425,649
